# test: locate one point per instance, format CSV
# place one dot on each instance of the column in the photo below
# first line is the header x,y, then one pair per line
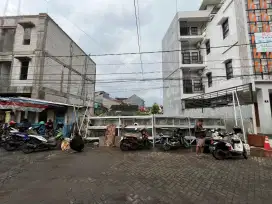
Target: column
x,y
37,117
18,116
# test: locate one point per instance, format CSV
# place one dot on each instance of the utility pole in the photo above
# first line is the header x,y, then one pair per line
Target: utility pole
x,y
19,8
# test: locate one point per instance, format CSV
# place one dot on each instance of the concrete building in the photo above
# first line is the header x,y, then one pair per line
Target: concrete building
x,y
219,55
39,60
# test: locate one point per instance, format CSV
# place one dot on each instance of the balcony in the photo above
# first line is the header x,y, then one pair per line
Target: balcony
x,y
192,87
191,34
192,60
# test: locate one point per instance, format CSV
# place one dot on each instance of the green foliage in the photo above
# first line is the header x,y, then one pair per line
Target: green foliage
x,y
155,109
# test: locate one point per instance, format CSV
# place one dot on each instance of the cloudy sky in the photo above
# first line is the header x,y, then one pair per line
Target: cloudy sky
x,y
107,26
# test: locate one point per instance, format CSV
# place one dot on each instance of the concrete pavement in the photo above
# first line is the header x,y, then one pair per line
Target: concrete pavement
x,y
104,175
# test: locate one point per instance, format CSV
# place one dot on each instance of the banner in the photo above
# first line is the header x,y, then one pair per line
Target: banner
x,y
263,41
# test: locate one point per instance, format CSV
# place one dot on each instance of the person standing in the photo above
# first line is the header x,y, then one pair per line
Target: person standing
x,y
200,135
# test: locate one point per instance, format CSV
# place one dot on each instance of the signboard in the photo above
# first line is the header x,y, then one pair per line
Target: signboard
x,y
263,41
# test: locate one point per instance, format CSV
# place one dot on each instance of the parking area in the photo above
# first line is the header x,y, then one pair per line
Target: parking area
x,y
104,175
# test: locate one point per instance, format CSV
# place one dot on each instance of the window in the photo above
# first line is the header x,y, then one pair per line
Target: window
x,y
187,86
209,76
24,70
194,57
229,69
194,31
225,28
27,35
198,86
208,47
186,58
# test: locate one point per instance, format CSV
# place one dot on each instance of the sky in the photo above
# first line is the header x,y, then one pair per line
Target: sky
x,y
107,26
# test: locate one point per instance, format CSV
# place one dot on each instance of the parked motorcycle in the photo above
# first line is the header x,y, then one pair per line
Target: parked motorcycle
x,y
231,146
177,140
13,139
135,141
37,142
216,136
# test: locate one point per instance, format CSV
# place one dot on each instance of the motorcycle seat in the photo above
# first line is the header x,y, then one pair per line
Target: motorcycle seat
x,y
130,135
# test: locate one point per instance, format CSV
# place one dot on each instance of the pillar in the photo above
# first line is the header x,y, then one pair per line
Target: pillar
x,y
18,116
264,110
37,117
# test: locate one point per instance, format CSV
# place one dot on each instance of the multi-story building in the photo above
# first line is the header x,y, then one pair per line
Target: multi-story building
x,y
39,60
218,55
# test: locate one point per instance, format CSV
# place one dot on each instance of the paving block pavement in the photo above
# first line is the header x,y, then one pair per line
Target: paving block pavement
x,y
106,175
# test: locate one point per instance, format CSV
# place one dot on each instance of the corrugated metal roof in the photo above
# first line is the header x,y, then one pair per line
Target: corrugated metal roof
x,y
36,101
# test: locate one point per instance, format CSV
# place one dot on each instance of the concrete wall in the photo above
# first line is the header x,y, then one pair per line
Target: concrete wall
x,y
215,59
171,88
68,59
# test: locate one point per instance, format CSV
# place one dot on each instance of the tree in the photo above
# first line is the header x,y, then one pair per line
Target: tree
x,y
155,109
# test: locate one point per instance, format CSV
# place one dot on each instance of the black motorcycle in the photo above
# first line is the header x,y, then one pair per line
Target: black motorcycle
x,y
175,141
133,142
13,139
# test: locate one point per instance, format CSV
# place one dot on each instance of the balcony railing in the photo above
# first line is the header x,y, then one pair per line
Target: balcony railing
x,y
187,59
190,87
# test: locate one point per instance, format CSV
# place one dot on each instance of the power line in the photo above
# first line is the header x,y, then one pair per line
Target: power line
x,y
50,81
125,73
149,52
138,32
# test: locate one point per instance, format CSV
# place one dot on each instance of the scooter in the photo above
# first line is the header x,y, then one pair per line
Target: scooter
x,y
231,146
37,142
12,139
177,140
135,141
216,137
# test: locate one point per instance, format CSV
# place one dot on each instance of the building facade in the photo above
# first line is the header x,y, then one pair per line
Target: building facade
x,y
39,60
219,55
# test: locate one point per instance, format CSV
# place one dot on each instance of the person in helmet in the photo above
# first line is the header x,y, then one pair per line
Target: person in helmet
x,y
41,128
49,128
12,124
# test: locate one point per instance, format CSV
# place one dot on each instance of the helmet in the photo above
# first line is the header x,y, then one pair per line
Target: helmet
x,y
41,123
12,122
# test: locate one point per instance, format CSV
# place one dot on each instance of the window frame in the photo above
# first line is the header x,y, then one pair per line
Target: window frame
x,y
27,38
225,28
195,29
24,76
229,69
209,76
208,48
187,57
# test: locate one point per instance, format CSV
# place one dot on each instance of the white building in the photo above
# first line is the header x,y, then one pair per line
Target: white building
x,y
218,56
39,60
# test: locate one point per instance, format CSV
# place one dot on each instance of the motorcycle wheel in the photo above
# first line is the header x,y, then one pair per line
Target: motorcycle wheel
x,y
8,147
216,155
26,149
166,147
245,154
123,147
